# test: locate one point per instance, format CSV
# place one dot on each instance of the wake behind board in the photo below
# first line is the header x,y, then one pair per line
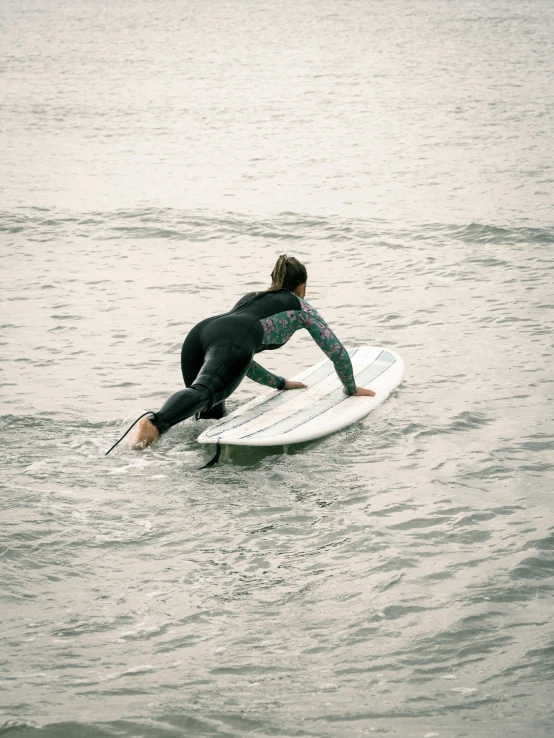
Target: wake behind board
x,y
293,416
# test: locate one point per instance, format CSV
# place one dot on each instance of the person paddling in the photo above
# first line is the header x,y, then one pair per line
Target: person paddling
x,y
219,351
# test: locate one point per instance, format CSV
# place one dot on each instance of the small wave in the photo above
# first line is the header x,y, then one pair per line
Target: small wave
x,y
171,224
464,421
45,420
19,725
479,233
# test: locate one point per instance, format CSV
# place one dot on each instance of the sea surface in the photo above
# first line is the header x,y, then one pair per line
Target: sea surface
x,y
396,578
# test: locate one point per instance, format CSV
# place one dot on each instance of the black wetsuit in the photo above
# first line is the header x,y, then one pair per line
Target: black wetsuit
x,y
218,353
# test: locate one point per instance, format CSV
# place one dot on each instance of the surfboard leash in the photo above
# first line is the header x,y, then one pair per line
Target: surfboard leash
x,y
148,412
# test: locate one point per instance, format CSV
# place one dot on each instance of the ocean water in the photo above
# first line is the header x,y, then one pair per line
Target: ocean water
x,y
396,578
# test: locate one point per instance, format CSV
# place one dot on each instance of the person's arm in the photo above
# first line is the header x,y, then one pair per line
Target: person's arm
x,y
329,344
262,376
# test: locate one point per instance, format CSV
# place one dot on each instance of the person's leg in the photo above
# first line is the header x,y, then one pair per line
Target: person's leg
x,y
182,404
230,342
192,360
224,365
221,374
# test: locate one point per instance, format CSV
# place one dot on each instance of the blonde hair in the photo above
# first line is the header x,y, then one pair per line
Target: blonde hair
x,y
287,273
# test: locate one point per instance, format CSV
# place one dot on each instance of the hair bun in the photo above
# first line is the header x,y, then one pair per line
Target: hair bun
x,y
288,272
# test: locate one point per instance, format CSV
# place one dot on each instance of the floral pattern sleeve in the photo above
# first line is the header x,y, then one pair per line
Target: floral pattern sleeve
x,y
329,344
262,376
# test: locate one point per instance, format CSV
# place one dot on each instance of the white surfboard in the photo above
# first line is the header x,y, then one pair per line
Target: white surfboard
x,y
293,416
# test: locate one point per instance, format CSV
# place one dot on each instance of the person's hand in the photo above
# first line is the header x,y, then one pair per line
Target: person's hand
x,y
362,392
289,384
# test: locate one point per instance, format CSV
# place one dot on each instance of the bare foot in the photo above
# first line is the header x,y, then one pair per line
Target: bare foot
x,y
146,433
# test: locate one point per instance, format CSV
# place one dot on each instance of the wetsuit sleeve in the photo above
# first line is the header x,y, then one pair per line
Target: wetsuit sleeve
x,y
262,376
329,344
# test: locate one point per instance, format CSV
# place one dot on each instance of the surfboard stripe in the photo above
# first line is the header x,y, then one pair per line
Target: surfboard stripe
x,y
383,362
316,376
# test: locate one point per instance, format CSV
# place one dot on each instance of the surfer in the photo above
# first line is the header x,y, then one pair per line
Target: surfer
x,y
219,352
